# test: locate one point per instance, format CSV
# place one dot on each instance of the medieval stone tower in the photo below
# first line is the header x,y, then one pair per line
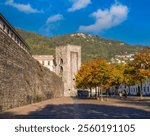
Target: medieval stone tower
x,y
68,62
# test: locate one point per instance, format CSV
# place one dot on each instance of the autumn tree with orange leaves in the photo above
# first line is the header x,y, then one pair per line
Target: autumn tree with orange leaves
x,y
141,64
99,73
95,73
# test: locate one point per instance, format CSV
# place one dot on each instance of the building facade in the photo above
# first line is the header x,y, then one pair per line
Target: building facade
x,y
46,60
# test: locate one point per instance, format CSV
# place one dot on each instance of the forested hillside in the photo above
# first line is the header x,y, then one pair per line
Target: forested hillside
x,y
92,46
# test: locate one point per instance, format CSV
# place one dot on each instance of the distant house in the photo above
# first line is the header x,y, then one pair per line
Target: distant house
x,y
46,60
122,59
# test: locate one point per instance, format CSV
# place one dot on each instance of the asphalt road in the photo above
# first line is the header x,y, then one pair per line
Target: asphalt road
x,y
72,108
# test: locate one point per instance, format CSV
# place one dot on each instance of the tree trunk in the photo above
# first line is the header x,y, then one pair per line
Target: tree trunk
x,y
116,91
107,94
98,91
90,92
101,94
141,95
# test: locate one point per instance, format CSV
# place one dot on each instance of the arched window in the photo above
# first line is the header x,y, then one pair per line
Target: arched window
x,y
61,72
61,69
61,61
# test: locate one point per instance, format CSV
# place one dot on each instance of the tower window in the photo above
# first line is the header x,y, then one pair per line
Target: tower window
x,y
61,69
61,61
61,72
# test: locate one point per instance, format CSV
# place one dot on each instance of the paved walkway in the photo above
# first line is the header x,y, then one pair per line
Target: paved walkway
x,y
72,108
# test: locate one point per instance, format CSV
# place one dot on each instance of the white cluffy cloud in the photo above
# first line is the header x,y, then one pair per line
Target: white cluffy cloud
x,y
106,19
26,8
54,18
79,4
51,23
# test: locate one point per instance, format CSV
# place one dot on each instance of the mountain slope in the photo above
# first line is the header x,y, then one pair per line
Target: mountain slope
x,y
92,46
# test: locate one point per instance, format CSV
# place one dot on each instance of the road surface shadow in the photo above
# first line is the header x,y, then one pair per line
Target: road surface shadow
x,y
81,111
139,103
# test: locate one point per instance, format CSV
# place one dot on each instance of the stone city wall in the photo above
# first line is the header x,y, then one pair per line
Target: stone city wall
x,y
22,79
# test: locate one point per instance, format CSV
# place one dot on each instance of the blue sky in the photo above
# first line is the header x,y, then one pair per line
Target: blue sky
x,y
124,20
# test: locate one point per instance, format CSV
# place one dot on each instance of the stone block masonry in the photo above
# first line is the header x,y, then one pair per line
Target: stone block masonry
x,y
23,80
68,62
